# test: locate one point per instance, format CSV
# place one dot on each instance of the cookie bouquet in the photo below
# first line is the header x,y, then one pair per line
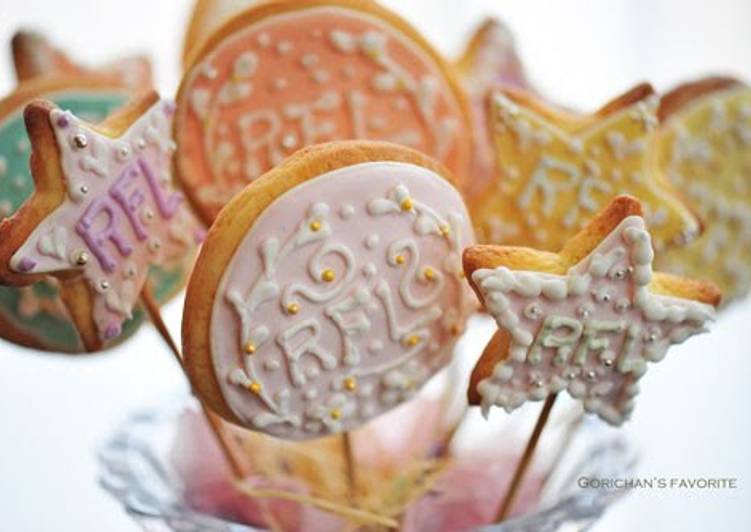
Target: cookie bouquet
x,y
338,199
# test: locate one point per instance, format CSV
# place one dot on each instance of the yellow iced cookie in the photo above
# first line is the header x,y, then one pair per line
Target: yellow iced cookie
x,y
556,170
704,147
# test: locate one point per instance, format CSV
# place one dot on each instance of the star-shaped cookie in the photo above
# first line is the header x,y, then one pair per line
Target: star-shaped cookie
x,y
556,170
704,148
489,59
34,55
586,320
103,212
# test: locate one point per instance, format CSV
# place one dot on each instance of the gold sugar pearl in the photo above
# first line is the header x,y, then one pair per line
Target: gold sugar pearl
x,y
409,384
407,204
81,258
399,259
328,275
293,308
250,348
255,387
428,273
444,229
350,384
412,341
315,226
335,413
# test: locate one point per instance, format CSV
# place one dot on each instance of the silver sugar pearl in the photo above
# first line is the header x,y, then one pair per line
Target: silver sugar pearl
x,y
591,375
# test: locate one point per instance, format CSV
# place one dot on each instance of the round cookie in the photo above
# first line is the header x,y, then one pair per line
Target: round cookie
x,y
328,291
35,315
704,148
283,75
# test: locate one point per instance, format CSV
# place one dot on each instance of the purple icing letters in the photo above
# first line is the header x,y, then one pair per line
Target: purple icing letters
x,y
130,200
96,239
167,205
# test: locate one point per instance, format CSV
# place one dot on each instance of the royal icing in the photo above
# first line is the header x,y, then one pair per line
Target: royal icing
x,y
36,311
120,215
345,296
590,332
552,181
705,150
304,77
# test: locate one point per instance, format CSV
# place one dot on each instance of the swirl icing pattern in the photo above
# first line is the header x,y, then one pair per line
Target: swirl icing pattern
x,y
591,331
118,217
342,299
281,78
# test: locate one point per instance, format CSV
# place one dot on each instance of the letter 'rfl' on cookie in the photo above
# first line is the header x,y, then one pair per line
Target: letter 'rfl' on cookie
x,y
556,170
284,75
339,301
590,331
106,210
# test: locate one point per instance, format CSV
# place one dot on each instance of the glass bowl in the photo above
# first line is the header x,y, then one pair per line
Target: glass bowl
x,y
138,469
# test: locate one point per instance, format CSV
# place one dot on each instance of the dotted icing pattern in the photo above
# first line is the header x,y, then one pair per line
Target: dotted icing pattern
x,y
590,332
305,77
36,312
119,218
705,150
552,181
340,302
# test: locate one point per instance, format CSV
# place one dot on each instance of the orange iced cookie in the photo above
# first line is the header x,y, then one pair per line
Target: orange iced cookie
x,y
556,170
283,75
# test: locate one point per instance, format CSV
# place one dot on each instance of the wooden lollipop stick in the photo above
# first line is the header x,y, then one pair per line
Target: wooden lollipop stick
x,y
229,448
572,427
526,460
349,464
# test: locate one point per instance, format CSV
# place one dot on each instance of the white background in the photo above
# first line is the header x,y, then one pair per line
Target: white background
x,y
692,417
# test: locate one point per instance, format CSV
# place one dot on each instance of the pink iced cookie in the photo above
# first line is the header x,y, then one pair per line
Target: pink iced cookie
x,y
283,75
587,320
328,291
103,213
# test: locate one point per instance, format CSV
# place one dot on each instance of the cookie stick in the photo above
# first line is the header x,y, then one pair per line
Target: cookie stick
x,y
546,305
232,453
295,323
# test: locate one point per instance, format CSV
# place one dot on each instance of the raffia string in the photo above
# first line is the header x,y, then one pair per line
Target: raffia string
x,y
383,495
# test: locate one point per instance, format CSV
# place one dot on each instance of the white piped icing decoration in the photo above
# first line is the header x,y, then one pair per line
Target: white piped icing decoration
x,y
591,331
112,184
343,320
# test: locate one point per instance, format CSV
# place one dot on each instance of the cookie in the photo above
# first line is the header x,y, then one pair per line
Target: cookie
x,y
206,16
329,290
556,170
34,55
34,316
283,75
704,147
586,320
102,214
488,60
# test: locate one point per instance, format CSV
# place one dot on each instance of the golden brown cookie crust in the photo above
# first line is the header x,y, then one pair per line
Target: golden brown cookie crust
x,y
236,219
